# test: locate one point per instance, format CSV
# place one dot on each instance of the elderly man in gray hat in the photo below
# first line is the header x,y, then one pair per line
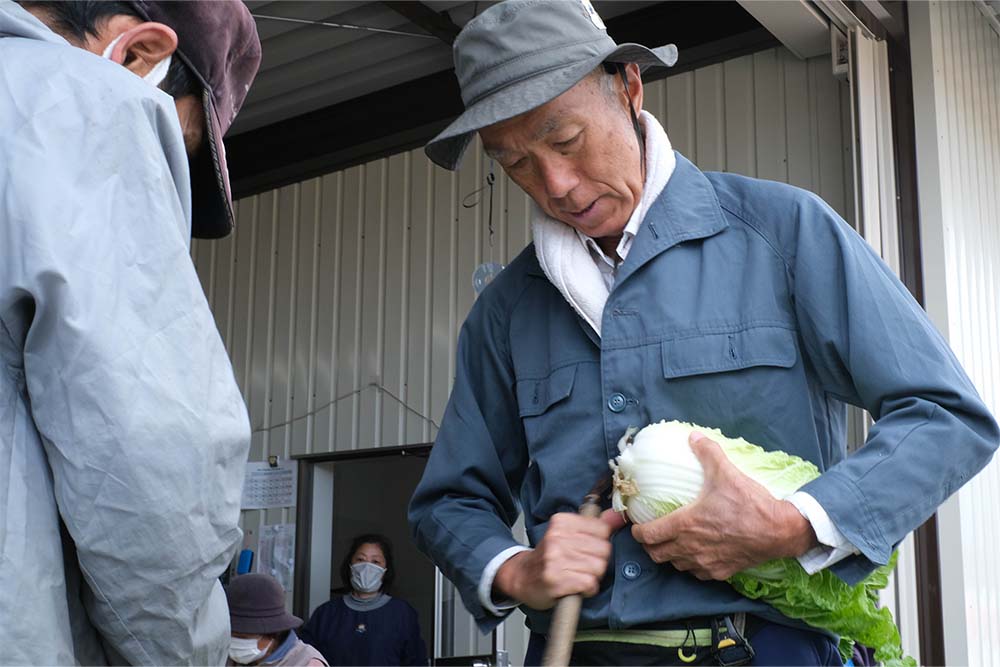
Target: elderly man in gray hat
x,y
123,434
656,291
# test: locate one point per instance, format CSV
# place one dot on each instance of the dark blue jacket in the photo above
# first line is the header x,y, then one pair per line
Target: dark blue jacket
x,y
387,635
745,305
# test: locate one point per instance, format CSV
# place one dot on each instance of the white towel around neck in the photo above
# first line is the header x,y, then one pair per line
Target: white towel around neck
x,y
566,260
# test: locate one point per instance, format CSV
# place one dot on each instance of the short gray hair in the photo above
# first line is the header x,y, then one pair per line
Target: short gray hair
x,y
606,77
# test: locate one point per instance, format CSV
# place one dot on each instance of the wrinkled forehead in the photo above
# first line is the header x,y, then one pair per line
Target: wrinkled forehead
x,y
537,124
527,129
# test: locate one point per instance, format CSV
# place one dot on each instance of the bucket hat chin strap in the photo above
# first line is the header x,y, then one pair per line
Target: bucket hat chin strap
x,y
635,119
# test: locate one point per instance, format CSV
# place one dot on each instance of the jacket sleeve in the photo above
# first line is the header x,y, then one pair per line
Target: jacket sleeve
x,y
414,649
464,506
307,632
316,630
870,344
143,425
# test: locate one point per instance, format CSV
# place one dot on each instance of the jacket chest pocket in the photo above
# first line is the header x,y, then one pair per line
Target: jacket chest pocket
x,y
557,411
536,396
749,383
736,350
564,434
744,382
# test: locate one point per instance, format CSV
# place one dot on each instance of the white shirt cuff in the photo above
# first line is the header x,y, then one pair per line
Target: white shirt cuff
x,y
497,607
833,546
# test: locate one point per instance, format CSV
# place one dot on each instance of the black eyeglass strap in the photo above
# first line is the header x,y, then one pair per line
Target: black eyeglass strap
x,y
635,119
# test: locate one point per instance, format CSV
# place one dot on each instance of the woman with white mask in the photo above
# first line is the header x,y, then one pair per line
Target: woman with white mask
x,y
263,632
367,626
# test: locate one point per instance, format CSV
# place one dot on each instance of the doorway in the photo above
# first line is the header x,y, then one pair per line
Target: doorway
x,y
368,491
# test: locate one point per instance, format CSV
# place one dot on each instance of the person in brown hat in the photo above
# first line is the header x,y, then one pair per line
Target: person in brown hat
x,y
204,54
123,433
263,632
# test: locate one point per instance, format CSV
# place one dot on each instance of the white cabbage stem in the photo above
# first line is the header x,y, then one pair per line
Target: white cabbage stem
x,y
656,471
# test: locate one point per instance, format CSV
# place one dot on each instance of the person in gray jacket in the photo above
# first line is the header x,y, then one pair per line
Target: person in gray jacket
x,y
655,291
123,434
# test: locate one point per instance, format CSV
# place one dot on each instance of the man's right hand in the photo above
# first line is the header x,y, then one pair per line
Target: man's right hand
x,y
572,557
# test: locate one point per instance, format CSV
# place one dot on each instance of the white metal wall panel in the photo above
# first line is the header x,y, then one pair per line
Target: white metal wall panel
x,y
957,97
340,298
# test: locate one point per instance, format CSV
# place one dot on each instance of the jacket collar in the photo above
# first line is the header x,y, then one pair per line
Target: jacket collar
x,y
687,209
286,647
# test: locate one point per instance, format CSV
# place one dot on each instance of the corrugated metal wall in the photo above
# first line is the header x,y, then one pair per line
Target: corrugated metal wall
x,y
340,298
957,96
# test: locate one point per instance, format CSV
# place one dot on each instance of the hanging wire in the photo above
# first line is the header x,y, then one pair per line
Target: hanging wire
x,y
345,26
489,181
370,385
469,202
487,271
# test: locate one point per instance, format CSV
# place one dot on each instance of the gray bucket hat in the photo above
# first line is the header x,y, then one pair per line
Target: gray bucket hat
x,y
519,54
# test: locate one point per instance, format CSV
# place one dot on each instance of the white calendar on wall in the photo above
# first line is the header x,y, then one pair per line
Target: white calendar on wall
x,y
270,484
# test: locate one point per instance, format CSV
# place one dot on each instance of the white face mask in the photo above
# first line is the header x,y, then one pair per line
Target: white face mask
x,y
366,577
155,76
245,651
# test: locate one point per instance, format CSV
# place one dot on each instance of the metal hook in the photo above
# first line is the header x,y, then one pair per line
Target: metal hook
x,y
477,193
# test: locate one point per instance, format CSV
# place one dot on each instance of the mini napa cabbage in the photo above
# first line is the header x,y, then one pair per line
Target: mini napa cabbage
x,y
656,473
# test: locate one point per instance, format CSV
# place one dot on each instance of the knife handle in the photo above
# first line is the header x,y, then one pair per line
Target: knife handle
x,y
562,630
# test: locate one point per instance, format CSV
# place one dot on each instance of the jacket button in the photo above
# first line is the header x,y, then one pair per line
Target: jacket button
x,y
631,570
616,403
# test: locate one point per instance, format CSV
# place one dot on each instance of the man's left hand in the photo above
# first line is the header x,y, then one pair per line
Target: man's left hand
x,y
735,523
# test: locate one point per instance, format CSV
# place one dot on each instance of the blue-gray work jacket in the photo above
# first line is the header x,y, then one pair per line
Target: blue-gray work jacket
x,y
745,305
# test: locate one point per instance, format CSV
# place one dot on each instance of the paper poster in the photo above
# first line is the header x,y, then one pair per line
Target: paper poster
x,y
267,486
276,552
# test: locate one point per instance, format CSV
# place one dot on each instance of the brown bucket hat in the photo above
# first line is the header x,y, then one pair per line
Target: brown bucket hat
x,y
218,40
257,606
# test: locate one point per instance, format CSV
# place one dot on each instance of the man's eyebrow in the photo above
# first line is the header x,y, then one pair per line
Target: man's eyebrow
x,y
496,153
548,127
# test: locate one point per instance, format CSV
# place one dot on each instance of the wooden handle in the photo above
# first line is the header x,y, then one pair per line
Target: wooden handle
x,y
562,629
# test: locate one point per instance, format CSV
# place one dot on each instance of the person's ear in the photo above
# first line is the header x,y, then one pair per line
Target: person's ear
x,y
634,77
144,45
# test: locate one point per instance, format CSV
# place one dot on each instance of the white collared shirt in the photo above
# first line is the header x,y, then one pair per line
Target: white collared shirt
x,y
608,266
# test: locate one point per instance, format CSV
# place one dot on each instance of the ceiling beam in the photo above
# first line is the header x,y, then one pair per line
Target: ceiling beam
x,y
406,115
424,17
890,14
801,28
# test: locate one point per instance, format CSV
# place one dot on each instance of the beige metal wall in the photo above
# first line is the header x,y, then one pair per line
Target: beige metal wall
x,y
340,298
957,100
